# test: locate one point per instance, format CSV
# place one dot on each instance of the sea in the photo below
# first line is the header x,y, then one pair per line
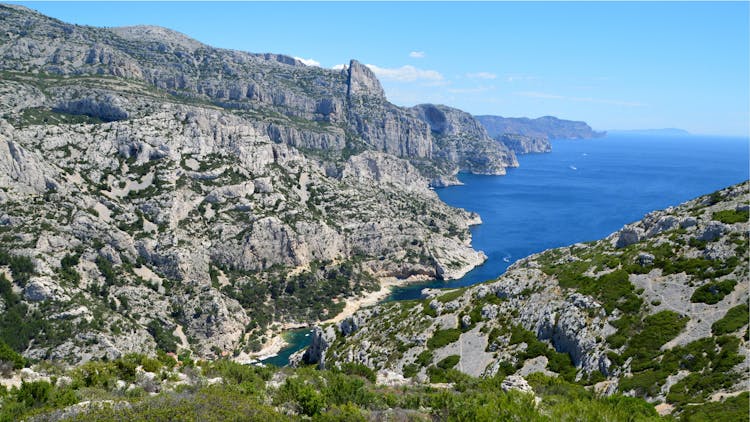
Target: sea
x,y
583,190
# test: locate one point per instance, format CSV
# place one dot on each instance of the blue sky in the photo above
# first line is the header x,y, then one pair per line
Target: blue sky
x,y
614,65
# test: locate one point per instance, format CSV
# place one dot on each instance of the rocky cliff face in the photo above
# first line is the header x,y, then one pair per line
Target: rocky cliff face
x,y
646,311
299,105
523,135
522,144
192,217
463,140
548,127
155,191
161,193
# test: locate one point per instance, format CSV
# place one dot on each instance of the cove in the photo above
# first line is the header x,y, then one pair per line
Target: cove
x,y
583,190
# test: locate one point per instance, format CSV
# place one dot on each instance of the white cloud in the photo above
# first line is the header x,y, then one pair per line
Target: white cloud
x,y
544,95
338,66
407,73
481,75
309,62
417,54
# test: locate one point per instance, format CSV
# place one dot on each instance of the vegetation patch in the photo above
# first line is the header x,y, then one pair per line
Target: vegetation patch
x,y
165,340
10,357
449,362
656,330
450,296
21,266
442,338
557,361
731,409
734,319
732,216
713,292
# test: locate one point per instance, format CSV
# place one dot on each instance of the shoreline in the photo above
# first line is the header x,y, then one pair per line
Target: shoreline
x,y
276,341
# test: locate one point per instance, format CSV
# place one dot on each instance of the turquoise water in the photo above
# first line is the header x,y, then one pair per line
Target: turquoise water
x,y
583,190
297,339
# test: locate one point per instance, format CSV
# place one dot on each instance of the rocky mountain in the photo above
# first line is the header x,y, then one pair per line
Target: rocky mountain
x,y
523,144
523,135
548,127
160,194
333,112
658,309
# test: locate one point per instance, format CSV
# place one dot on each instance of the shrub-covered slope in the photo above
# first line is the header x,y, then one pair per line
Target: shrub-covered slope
x,y
656,310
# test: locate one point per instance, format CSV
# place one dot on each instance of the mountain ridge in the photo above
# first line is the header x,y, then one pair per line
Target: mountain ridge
x,y
279,88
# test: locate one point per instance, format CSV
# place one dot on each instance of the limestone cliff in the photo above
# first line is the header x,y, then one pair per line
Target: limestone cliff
x,y
547,127
305,106
657,309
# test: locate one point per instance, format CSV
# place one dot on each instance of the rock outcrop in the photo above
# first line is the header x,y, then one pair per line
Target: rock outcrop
x,y
192,217
523,144
184,196
587,311
304,106
547,127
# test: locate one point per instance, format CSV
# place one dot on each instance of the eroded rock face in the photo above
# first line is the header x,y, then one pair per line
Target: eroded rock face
x,y
452,128
562,300
208,207
320,341
522,144
304,106
546,127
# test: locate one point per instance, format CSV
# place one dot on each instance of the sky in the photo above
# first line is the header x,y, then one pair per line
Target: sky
x,y
631,65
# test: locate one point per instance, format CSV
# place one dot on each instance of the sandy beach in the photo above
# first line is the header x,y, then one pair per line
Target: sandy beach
x,y
276,340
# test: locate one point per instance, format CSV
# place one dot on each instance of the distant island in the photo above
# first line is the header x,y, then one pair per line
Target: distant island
x,y
652,132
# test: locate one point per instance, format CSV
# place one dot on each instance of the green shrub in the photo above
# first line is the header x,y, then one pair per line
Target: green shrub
x,y
67,269
107,271
11,356
150,365
449,362
731,409
410,370
18,324
657,329
308,399
731,216
165,340
734,319
442,338
450,296
713,292
427,310
21,266
341,413
440,375
214,403
424,358
351,368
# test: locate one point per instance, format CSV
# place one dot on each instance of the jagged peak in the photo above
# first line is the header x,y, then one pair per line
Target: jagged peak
x,y
362,81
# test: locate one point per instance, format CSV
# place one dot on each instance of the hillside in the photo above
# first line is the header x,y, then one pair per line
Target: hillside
x,y
160,194
333,112
548,127
657,310
523,135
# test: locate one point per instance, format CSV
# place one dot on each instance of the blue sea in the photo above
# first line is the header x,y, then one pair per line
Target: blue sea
x,y
584,190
